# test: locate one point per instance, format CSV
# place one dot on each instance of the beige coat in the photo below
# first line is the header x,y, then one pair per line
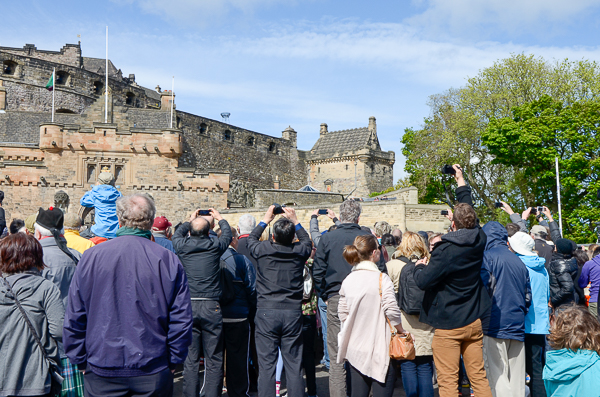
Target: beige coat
x,y
364,338
422,333
393,268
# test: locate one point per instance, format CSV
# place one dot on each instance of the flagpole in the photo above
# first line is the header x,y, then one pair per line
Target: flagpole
x,y
53,86
558,195
172,99
106,86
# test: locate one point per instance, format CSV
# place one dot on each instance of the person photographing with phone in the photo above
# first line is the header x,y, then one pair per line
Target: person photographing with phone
x,y
200,255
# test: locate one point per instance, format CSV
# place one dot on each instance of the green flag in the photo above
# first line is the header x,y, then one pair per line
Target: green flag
x,y
50,85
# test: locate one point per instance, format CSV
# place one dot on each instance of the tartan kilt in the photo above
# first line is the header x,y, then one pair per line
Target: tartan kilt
x,y
73,384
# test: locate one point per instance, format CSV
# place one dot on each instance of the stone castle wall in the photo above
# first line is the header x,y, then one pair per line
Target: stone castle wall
x,y
266,197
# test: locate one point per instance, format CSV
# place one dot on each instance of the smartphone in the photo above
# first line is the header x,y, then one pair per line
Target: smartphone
x,y
540,210
534,211
444,212
322,212
499,205
203,212
278,209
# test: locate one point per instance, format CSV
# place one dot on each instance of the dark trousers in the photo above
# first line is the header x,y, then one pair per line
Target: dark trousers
x,y
309,332
236,338
279,329
156,385
417,376
337,372
362,384
206,336
535,359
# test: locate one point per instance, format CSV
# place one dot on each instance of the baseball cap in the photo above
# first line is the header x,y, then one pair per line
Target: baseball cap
x,y
161,223
538,230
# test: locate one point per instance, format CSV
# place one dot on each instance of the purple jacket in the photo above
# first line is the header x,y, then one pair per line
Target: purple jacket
x,y
129,310
591,273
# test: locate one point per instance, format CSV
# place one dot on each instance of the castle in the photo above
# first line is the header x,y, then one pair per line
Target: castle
x,y
180,158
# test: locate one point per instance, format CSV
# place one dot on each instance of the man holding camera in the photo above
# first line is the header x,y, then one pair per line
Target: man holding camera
x,y
279,286
455,297
200,256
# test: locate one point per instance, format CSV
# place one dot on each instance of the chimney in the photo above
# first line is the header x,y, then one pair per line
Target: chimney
x,y
165,100
372,124
323,129
132,78
276,183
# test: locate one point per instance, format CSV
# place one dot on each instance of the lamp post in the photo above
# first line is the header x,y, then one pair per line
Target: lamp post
x,y
355,177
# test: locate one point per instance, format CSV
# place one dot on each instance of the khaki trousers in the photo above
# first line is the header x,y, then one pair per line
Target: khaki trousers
x,y
448,345
505,366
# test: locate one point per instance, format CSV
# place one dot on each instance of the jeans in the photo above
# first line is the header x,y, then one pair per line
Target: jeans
x,y
362,384
337,372
207,336
417,376
323,314
535,359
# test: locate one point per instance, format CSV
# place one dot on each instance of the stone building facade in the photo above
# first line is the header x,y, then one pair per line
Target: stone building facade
x,y
189,159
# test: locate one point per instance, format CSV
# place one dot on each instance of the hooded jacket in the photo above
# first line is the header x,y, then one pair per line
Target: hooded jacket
x,y
507,280
244,284
537,320
591,274
572,373
104,199
563,274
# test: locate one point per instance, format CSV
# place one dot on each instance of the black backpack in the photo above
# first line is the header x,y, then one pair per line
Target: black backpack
x,y
410,297
227,287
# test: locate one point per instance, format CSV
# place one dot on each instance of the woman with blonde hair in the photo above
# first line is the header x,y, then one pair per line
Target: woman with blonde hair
x,y
573,367
366,299
416,374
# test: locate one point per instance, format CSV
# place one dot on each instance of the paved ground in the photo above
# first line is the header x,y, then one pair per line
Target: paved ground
x,y
322,385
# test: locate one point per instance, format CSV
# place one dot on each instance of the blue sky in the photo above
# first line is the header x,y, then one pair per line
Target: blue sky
x,y
274,63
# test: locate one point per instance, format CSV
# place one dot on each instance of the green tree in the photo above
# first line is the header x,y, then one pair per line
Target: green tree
x,y
534,136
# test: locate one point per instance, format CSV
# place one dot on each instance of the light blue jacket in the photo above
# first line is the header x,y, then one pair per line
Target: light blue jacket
x,y
104,199
572,373
537,320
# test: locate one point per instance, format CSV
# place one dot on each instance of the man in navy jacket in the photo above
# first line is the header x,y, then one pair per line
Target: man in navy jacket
x,y
128,320
507,281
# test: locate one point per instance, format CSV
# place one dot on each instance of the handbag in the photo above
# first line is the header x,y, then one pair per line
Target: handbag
x,y
55,376
402,346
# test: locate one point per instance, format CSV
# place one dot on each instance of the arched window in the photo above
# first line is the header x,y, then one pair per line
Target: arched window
x,y
178,122
250,141
130,99
227,136
9,67
272,147
98,88
203,128
62,78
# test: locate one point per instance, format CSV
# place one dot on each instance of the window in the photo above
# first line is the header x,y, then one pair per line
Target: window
x,y
227,136
272,147
130,99
91,173
119,175
346,167
98,88
203,128
64,111
319,170
62,78
178,122
250,141
9,67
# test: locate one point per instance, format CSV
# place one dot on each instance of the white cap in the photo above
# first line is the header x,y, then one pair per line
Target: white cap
x,y
522,244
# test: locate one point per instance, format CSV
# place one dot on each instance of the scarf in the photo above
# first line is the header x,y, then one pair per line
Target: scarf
x,y
130,231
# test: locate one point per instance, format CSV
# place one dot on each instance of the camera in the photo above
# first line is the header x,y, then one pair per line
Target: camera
x,y
278,209
322,212
448,170
499,205
203,212
444,212
540,210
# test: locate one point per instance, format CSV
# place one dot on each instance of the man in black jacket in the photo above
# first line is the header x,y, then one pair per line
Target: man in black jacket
x,y
200,256
280,286
455,298
329,270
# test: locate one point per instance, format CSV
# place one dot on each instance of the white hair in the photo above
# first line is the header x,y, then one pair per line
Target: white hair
x,y
247,223
45,232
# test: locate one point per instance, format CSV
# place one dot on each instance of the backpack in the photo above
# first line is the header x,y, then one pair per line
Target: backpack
x,y
308,285
410,297
227,287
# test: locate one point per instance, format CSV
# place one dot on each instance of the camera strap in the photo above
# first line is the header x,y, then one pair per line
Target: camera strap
x,y
448,201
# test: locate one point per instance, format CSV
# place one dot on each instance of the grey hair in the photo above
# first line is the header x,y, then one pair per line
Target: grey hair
x,y
136,211
247,223
44,232
382,228
350,211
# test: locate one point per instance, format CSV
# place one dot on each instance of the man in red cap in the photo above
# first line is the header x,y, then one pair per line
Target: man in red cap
x,y
161,230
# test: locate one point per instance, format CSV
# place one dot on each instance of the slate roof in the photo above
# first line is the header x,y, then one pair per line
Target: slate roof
x,y
307,188
344,141
96,65
151,93
24,127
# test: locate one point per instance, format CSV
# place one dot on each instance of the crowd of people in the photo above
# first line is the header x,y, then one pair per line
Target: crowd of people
x,y
115,309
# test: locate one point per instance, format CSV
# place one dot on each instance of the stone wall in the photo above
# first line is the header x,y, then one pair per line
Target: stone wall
x,y
266,197
410,195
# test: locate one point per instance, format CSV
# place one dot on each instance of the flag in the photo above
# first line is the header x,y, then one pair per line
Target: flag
x,y
50,85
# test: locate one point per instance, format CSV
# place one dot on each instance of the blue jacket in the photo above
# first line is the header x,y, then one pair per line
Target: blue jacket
x,y
129,311
537,320
568,373
164,242
507,281
244,282
104,199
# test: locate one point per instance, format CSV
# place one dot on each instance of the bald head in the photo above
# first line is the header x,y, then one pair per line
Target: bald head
x,y
199,227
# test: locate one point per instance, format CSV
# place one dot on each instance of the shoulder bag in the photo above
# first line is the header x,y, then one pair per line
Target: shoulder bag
x,y
55,376
401,345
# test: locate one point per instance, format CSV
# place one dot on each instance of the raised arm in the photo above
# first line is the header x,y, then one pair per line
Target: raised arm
x,y
226,236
